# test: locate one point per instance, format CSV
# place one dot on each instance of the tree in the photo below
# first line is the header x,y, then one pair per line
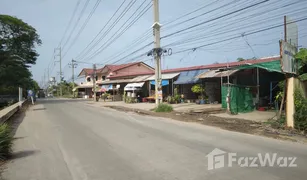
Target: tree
x,y
301,58
240,59
17,53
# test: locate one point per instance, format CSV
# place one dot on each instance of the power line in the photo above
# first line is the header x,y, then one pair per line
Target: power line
x,y
83,26
189,13
218,8
108,43
238,36
147,34
79,17
226,25
218,30
225,15
70,21
77,57
127,8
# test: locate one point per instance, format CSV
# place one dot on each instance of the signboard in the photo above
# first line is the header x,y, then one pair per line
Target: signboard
x,y
30,93
287,53
291,31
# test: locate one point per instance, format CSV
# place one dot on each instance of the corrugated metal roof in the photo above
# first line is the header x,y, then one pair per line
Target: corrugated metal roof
x,y
164,76
134,80
140,78
189,77
223,65
216,73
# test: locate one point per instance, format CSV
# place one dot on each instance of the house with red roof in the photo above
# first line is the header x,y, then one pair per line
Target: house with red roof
x,y
113,78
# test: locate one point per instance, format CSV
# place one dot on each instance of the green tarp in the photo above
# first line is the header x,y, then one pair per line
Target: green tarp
x,y
273,66
241,99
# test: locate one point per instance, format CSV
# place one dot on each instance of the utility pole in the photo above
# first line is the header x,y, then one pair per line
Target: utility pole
x,y
73,65
157,53
94,82
60,55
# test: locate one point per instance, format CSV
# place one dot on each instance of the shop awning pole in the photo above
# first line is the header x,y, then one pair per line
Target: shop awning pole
x,y
258,89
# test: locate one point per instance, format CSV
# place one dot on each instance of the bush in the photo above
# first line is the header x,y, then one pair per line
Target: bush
x,y
163,108
130,100
300,116
6,142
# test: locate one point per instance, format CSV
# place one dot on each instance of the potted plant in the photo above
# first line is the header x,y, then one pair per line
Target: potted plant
x,y
199,89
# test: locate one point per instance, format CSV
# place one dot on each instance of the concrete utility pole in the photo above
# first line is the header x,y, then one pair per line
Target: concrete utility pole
x,y
94,82
73,65
60,55
157,53
61,92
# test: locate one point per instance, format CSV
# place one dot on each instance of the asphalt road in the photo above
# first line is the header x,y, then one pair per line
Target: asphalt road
x,y
72,140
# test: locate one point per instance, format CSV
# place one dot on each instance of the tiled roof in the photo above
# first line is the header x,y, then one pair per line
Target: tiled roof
x,y
89,71
120,66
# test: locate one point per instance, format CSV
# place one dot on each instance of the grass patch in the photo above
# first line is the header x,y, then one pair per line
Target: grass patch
x,y
6,141
163,108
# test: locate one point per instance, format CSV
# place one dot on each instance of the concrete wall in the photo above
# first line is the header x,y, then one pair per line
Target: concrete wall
x,y
6,113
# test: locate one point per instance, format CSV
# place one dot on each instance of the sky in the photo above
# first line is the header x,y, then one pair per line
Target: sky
x,y
205,43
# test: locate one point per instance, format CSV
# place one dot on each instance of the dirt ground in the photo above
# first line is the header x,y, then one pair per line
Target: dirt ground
x,y
238,125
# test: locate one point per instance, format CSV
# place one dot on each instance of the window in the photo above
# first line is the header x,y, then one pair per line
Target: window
x,y
88,79
103,78
96,78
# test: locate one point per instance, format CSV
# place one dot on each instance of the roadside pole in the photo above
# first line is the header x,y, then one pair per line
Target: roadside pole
x,y
61,92
94,82
20,96
157,52
60,61
73,65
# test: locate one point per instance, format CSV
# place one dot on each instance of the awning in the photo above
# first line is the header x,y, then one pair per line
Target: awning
x,y
134,86
216,73
163,83
164,76
140,78
272,66
189,77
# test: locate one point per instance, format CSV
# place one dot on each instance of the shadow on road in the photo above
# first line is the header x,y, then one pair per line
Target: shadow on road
x,y
23,154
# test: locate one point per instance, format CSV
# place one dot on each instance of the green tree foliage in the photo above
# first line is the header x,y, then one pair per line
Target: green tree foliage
x,y
66,88
300,115
240,59
17,53
301,57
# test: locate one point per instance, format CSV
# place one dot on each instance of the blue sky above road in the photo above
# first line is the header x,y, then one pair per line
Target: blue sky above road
x,y
50,18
